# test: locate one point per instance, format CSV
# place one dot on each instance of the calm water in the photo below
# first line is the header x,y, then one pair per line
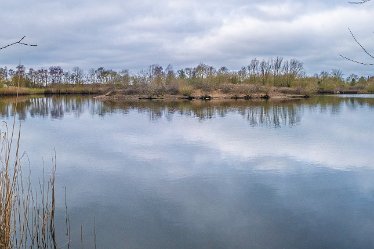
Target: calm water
x,y
296,174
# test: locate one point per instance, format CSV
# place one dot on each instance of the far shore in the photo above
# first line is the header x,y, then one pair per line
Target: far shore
x,y
273,94
108,92
276,78
199,97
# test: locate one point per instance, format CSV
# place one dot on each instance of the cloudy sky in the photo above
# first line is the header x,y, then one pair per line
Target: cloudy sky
x,y
133,34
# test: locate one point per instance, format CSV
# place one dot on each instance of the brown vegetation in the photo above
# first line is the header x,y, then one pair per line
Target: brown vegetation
x,y
27,216
274,77
55,89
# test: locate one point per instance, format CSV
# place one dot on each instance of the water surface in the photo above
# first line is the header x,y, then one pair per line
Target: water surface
x,y
290,174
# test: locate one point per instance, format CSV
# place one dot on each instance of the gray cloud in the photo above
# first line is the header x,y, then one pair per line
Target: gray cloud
x,y
133,34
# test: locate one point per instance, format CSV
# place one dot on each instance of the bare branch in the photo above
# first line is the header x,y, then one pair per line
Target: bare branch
x,y
360,2
358,62
362,47
20,42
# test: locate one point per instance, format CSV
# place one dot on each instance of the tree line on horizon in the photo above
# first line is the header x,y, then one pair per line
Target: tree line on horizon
x,y
275,72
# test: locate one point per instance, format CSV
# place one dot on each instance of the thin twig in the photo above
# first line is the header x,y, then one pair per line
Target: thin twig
x,y
358,62
20,42
362,47
360,2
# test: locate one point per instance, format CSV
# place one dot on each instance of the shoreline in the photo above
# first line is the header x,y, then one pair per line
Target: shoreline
x,y
198,94
111,93
205,97
219,94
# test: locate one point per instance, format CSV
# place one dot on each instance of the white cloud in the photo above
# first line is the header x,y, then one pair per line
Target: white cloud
x,y
134,34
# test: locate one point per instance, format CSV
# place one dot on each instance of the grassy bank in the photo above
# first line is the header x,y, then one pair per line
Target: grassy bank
x,y
185,91
55,89
208,91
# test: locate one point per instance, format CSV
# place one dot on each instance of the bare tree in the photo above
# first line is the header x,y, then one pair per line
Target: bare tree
x,y
77,75
253,70
265,69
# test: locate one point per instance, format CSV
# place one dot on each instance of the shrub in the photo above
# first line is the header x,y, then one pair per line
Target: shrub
x,y
186,90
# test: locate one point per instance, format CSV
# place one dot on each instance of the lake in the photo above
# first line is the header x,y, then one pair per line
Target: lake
x,y
236,174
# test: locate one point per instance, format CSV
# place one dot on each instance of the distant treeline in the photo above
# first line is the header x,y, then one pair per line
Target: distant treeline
x,y
276,72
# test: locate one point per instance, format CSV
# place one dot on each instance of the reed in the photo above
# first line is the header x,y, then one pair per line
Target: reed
x,y
27,214
13,91
54,89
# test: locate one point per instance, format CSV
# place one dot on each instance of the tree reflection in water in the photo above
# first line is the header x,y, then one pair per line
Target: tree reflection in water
x,y
273,113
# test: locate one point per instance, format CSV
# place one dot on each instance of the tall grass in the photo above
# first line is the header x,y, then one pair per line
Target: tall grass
x,y
27,214
54,89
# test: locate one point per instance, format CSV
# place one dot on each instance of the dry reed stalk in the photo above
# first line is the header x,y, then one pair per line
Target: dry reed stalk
x,y
27,218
